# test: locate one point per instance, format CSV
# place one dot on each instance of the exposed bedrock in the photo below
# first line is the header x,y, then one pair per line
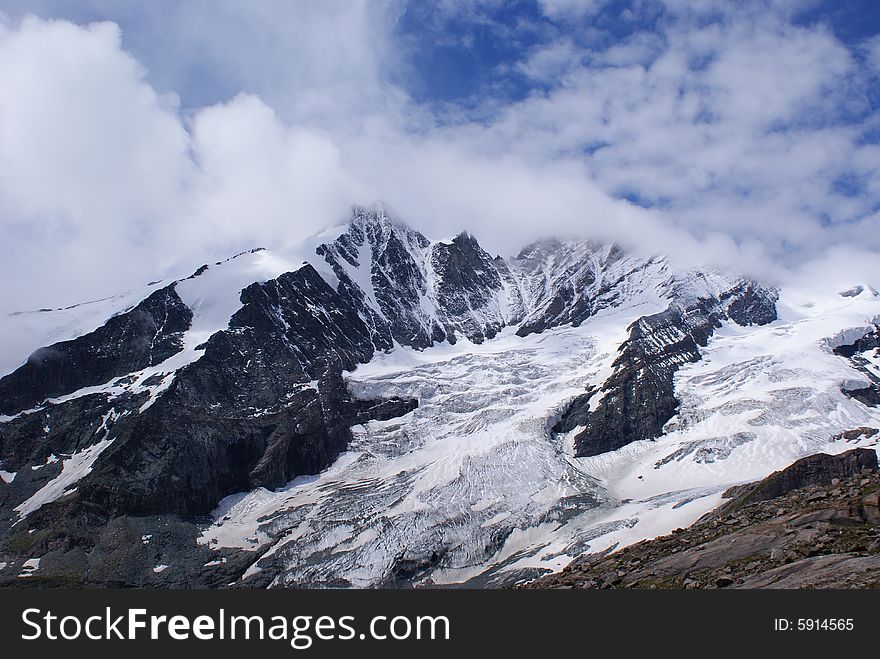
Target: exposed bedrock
x,y
146,335
264,404
858,353
811,471
639,397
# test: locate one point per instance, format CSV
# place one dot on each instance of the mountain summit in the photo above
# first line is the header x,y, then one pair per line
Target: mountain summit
x,y
396,409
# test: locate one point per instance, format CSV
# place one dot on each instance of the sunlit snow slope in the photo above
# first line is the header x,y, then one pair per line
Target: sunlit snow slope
x,y
473,485
247,388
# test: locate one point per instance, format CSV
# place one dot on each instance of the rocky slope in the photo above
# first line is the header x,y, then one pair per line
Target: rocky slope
x,y
815,524
639,398
862,353
383,409
146,335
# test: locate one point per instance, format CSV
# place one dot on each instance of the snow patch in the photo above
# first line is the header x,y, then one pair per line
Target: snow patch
x,y
29,567
73,469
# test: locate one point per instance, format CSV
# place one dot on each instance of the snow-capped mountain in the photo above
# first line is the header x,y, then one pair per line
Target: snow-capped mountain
x,y
382,409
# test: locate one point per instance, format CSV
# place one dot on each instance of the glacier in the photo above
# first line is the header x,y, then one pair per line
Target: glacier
x,y
478,482
473,487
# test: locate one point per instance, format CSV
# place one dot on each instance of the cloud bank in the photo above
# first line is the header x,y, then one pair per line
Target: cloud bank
x,y
141,146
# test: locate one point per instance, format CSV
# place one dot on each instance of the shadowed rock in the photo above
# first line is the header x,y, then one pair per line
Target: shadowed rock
x,y
639,397
818,469
146,335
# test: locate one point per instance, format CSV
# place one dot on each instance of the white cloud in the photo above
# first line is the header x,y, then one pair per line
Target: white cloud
x,y
91,159
261,179
84,139
872,48
311,57
569,8
105,184
732,129
641,49
550,63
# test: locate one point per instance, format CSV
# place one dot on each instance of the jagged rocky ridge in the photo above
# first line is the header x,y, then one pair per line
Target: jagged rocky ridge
x,y
264,400
639,398
145,336
862,353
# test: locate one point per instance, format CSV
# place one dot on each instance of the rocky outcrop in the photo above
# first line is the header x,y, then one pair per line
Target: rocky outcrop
x,y
181,460
813,470
870,341
266,403
869,395
466,285
94,550
380,267
411,290
639,397
856,352
568,282
749,304
146,335
383,410
821,534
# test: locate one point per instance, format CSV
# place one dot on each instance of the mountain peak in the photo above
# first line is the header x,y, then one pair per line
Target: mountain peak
x,y
375,214
274,368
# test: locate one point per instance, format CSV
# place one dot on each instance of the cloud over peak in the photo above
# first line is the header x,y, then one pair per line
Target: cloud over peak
x,y
141,144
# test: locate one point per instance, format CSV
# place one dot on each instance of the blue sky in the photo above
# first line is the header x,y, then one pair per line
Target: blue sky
x,y
455,52
143,137
461,57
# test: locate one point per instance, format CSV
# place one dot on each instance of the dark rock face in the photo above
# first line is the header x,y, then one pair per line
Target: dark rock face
x,y
869,341
404,272
639,397
265,404
182,460
749,304
35,444
146,335
266,401
869,395
92,550
294,328
382,410
466,279
31,438
383,256
814,470
854,434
